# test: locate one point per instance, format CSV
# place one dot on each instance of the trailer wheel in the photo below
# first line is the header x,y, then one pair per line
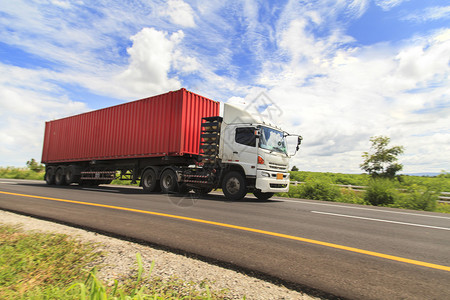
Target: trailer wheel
x,y
71,175
262,196
60,176
50,176
148,181
169,181
233,186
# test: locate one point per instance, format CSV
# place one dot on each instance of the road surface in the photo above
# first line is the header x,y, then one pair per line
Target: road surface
x,y
342,250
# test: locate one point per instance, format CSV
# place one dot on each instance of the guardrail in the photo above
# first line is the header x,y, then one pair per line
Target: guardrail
x,y
445,196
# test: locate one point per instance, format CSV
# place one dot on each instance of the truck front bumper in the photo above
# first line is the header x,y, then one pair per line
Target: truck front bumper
x,y
272,182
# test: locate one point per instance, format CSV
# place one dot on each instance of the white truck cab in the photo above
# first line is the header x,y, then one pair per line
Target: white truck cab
x,y
255,148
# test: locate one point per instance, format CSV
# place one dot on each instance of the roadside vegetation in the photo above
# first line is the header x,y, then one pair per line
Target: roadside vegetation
x,y
55,266
381,186
409,192
34,171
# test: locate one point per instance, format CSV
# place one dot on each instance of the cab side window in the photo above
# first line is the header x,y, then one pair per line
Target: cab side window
x,y
246,136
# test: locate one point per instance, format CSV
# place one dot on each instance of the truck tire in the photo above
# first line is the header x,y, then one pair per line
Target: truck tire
x,y
262,196
148,181
169,182
71,175
60,176
50,176
233,186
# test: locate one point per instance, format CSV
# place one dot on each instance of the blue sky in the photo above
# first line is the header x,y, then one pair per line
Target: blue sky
x,y
338,72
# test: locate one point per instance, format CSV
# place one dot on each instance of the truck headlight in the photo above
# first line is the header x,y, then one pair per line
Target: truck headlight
x,y
265,174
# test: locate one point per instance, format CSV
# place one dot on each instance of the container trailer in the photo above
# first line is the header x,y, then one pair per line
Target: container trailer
x,y
175,142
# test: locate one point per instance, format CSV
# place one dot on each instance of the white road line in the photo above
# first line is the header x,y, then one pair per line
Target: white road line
x,y
8,182
379,220
100,190
361,208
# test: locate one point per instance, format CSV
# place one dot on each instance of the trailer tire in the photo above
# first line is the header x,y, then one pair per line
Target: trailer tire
x,y
50,176
60,176
71,175
262,196
234,186
148,181
169,182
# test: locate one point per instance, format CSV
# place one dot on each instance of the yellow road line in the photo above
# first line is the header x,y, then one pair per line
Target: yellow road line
x,y
286,236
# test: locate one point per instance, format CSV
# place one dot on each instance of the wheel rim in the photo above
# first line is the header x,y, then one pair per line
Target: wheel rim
x,y
69,176
233,185
59,176
168,181
148,180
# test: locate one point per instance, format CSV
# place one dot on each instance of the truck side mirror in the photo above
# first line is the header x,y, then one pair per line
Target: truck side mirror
x,y
299,141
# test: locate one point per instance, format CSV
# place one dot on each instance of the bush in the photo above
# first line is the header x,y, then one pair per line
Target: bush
x,y
418,198
380,192
351,196
319,190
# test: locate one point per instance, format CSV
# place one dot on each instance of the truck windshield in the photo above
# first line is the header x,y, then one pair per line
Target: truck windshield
x,y
272,140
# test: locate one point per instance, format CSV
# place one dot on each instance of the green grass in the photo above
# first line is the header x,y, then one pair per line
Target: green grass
x,y
54,266
37,264
20,173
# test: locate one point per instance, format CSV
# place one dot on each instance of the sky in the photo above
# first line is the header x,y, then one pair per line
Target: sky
x,y
335,72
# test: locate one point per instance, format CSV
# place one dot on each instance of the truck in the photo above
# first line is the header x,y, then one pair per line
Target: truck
x,y
177,142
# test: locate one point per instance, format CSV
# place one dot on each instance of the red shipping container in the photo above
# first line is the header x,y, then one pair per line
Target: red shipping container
x,y
163,125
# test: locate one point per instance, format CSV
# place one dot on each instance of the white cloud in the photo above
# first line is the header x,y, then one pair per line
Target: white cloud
x,y
429,14
388,4
180,13
27,100
151,58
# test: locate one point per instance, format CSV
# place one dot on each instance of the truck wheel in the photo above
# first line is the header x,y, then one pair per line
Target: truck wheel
x,y
50,176
60,178
148,181
262,196
233,186
71,176
169,181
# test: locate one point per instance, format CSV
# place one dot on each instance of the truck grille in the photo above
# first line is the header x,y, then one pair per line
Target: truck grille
x,y
277,166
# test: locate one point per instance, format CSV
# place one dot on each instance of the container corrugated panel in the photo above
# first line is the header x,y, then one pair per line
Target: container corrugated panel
x,y
164,125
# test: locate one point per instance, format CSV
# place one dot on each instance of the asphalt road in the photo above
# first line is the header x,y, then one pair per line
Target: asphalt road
x,y
347,251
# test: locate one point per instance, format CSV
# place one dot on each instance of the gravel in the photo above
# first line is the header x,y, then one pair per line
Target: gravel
x,y
119,261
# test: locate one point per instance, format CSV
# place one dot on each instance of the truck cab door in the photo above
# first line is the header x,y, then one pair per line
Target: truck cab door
x,y
240,147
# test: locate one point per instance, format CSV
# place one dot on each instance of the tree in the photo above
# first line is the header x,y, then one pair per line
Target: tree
x,y
33,165
294,168
382,161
